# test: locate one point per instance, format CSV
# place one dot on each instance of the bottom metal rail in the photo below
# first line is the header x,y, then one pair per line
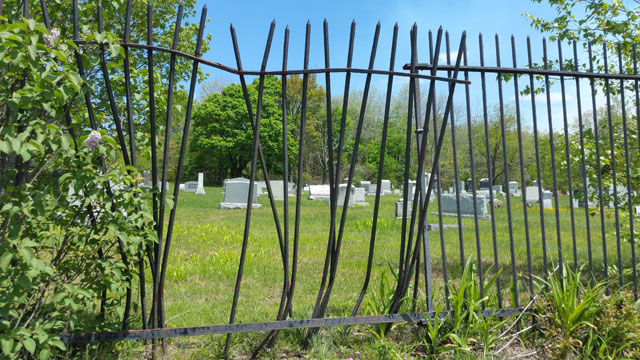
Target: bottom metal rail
x,y
265,326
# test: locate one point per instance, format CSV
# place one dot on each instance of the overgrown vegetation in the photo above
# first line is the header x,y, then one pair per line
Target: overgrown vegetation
x,y
72,217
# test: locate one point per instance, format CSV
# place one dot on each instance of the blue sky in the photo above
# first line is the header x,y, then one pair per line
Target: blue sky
x,y
252,19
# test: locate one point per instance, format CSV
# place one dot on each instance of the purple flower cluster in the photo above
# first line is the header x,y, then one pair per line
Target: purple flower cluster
x,y
93,140
52,37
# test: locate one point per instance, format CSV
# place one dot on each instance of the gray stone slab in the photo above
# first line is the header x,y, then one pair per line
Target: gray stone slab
x,y
449,207
400,208
191,186
485,184
365,185
236,193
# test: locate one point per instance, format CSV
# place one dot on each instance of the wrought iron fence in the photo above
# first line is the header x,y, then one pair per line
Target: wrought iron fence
x,y
499,147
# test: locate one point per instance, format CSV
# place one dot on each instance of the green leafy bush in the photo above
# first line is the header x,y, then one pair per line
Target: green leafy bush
x,y
577,319
73,219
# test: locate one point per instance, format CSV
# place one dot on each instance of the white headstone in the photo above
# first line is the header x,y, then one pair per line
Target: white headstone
x,y
386,187
277,189
182,186
359,197
342,192
200,189
319,192
487,194
147,179
513,188
236,194
531,194
166,185
372,190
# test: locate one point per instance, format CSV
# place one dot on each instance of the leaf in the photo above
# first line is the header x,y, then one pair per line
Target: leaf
x,y
45,354
66,140
5,147
29,344
7,346
57,343
5,259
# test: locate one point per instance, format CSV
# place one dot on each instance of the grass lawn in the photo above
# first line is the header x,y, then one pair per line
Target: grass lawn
x,y
207,242
206,246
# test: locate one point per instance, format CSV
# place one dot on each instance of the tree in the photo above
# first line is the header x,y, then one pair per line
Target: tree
x,y
315,145
222,135
612,22
496,153
595,21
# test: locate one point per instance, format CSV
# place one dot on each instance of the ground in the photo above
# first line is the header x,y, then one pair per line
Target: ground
x,y
207,241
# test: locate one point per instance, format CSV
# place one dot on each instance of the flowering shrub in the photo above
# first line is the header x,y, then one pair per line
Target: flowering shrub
x,y
73,219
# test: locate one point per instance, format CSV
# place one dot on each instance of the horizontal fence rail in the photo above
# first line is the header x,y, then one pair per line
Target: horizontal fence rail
x,y
468,138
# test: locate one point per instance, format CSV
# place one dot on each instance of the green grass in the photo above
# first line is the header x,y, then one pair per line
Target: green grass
x,y
206,246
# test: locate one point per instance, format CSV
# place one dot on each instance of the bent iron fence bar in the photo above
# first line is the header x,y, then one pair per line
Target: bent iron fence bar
x,y
507,143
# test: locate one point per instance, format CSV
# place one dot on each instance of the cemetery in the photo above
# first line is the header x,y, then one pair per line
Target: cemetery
x,y
460,211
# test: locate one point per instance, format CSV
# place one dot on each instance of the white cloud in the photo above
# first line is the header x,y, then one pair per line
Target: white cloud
x,y
453,55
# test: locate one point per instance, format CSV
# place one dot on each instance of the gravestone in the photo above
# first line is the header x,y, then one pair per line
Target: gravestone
x,y
497,189
166,185
342,192
147,180
359,197
513,188
449,207
535,183
583,201
531,194
191,186
182,186
236,193
277,189
487,194
469,185
412,188
200,189
485,184
372,190
319,192
365,185
385,187
400,208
